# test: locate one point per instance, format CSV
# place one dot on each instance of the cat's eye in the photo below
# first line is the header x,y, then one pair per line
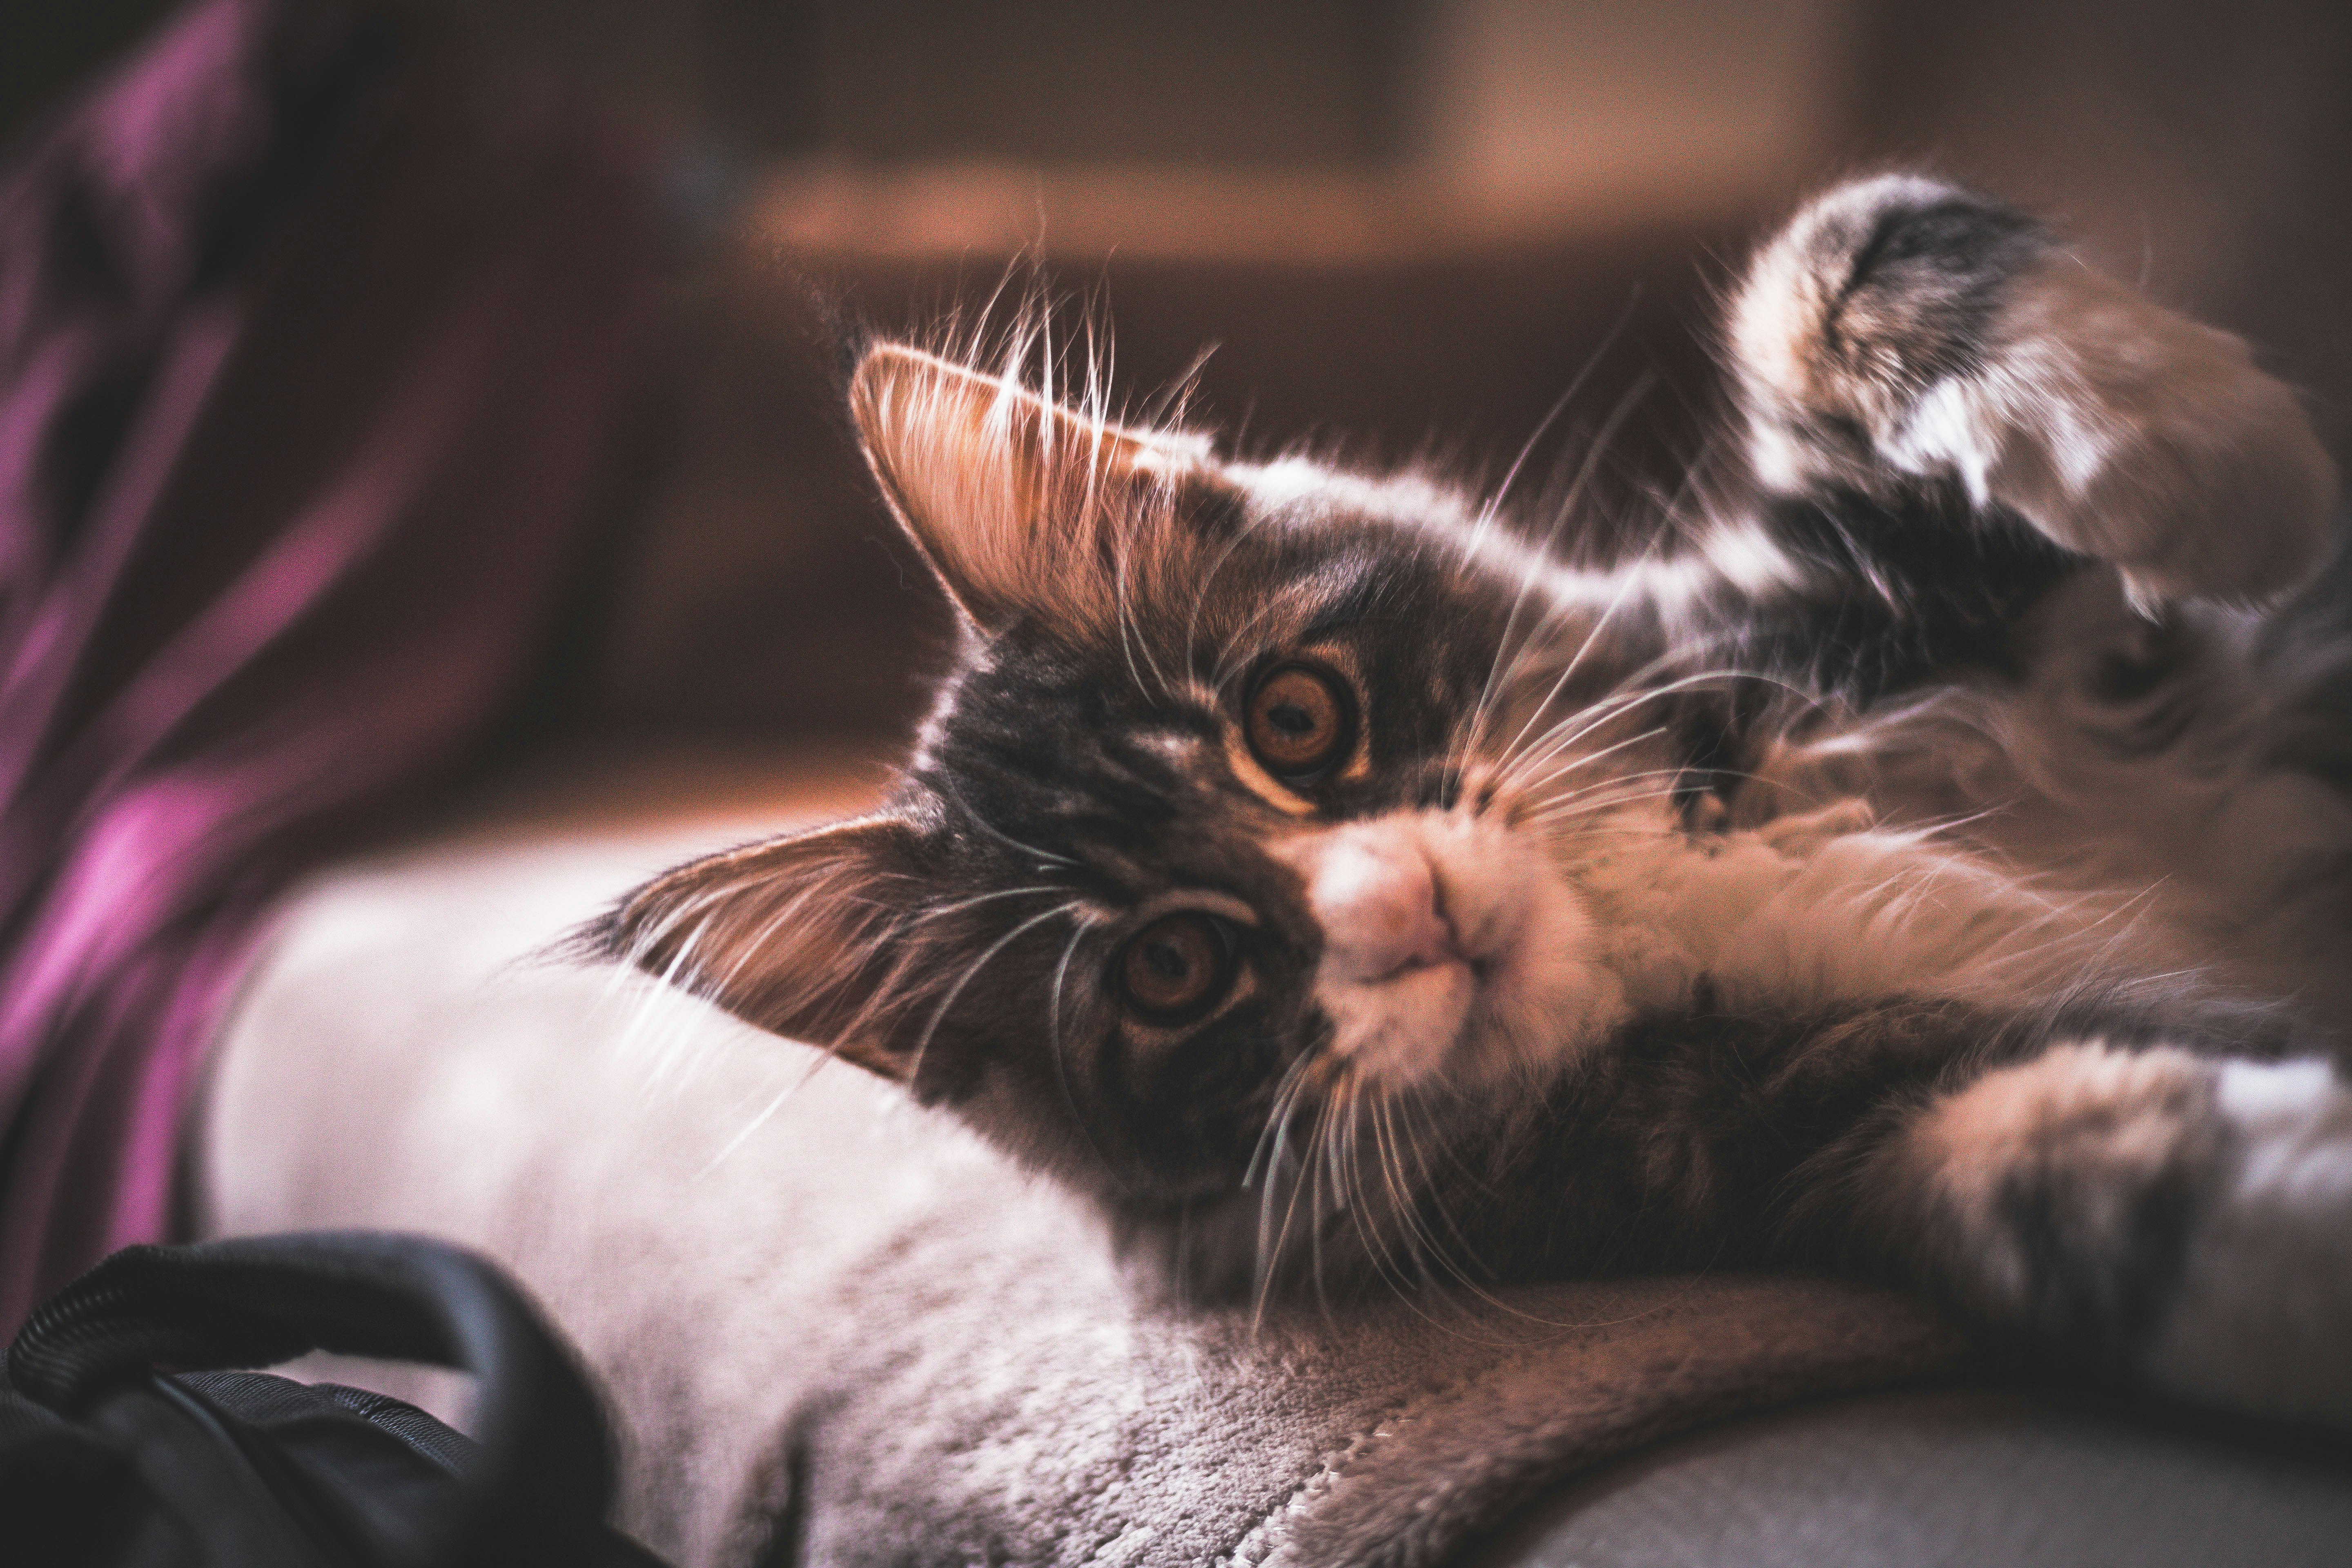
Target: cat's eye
x,y
1177,968
1301,720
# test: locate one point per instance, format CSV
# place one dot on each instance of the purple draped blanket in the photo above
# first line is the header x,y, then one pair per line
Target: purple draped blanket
x,y
321,372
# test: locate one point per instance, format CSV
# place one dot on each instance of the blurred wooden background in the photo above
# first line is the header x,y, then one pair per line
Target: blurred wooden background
x,y
1408,224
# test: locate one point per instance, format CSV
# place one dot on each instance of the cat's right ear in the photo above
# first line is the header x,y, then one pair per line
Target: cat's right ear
x,y
1024,507
808,936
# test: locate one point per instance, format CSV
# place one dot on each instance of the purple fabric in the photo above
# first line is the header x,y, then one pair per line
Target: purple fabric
x,y
321,372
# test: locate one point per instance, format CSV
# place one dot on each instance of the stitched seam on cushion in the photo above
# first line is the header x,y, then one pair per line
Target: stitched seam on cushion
x,y
1365,1442
1253,1547
1260,1539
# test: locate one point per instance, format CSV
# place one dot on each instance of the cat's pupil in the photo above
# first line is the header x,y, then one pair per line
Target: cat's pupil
x,y
1301,720
1175,967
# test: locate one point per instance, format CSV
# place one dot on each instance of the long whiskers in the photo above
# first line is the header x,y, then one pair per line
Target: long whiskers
x,y
1534,567
940,1012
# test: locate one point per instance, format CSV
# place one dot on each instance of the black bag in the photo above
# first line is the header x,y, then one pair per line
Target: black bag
x,y
124,1440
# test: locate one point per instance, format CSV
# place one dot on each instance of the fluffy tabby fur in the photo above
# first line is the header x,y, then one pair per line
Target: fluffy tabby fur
x,y
1937,868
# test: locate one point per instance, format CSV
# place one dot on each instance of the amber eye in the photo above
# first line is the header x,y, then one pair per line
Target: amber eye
x,y
1177,968
1302,719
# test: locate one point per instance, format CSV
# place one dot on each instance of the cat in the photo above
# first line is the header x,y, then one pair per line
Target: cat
x,y
1934,866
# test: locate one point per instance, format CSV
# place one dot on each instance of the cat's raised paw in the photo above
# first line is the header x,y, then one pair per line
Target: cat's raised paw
x,y
1902,329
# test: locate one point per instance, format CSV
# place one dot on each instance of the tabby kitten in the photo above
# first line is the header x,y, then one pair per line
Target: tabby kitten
x,y
1937,868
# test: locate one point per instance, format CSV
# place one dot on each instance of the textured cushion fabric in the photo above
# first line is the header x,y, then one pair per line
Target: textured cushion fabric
x,y
1950,1477
819,1309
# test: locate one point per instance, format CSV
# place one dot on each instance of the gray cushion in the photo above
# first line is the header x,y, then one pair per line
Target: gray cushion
x,y
808,1301
2023,1479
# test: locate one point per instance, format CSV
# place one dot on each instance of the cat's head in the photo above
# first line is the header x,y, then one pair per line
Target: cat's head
x,y
1228,837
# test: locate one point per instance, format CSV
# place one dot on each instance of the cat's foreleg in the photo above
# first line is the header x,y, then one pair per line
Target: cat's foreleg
x,y
2149,1215
1902,331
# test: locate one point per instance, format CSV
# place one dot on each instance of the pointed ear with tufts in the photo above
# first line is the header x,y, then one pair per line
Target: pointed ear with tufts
x,y
1024,507
804,937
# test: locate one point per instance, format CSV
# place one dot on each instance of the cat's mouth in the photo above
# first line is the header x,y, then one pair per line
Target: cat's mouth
x,y
1449,950
1446,1018
1406,1025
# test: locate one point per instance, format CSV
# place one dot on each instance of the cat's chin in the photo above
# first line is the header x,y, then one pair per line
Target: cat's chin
x,y
1406,1028
1545,992
1522,1012
1530,1022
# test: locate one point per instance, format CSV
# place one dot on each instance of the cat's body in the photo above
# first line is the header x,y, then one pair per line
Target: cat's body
x,y
1926,869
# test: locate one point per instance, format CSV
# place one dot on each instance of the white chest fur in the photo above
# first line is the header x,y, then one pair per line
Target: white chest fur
x,y
1505,956
1811,909
2159,821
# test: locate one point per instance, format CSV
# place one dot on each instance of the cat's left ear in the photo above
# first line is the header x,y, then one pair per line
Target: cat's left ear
x,y
1024,507
806,936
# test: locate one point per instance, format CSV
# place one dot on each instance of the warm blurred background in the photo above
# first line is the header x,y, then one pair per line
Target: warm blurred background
x,y
1404,223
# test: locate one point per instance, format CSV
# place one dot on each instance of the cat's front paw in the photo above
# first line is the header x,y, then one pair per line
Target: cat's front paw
x,y
2153,1215
1903,329
2262,1316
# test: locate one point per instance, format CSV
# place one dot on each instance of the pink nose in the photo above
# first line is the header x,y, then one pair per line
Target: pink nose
x,y
1379,908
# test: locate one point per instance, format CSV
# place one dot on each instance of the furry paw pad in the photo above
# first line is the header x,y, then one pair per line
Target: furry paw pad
x,y
1901,328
